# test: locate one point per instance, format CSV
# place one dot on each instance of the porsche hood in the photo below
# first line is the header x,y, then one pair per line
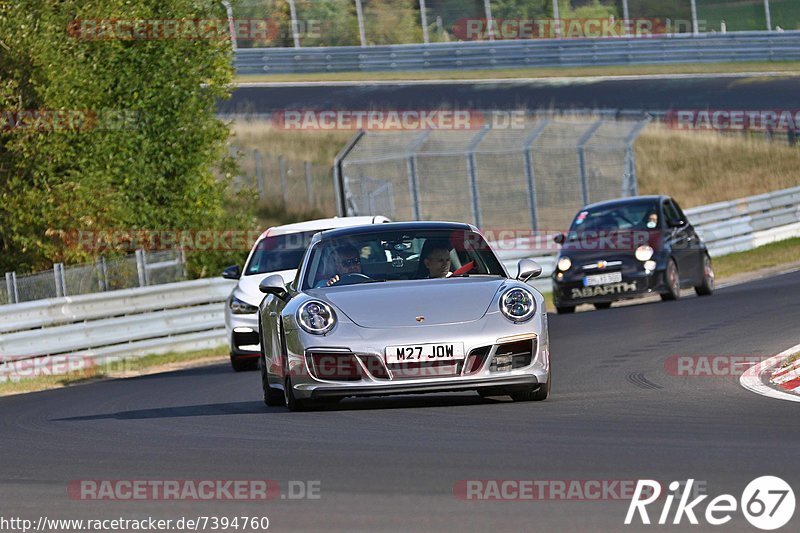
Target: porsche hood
x,y
399,304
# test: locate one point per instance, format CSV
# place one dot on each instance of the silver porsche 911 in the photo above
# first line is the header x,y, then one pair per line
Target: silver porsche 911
x,y
401,308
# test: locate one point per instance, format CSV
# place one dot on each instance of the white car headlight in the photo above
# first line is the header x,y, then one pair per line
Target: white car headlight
x,y
518,305
564,264
238,307
316,317
644,253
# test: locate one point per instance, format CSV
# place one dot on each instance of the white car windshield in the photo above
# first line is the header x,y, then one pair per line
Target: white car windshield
x,y
279,252
400,256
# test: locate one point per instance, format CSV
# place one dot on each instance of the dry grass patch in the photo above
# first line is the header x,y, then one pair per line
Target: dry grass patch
x,y
313,146
789,67
704,167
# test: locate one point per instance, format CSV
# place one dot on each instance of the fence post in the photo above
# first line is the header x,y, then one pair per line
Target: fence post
x,y
413,178
337,174
11,287
259,173
102,273
182,258
58,279
473,174
309,185
360,17
530,173
424,21
768,15
284,188
631,188
61,273
582,159
141,268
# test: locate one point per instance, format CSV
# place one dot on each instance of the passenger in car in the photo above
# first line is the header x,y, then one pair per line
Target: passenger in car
x,y
435,257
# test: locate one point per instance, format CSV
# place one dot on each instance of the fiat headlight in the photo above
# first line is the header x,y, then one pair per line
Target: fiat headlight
x,y
644,253
316,317
518,305
564,264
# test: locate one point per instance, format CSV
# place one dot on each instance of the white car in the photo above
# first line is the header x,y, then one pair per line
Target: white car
x,y
278,250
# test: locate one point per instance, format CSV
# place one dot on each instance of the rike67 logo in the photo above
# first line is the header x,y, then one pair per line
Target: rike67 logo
x,y
767,503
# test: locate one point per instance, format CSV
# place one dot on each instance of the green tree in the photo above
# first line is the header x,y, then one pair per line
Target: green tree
x,y
151,166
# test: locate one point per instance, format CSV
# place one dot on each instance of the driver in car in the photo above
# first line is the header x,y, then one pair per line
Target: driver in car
x,y
346,260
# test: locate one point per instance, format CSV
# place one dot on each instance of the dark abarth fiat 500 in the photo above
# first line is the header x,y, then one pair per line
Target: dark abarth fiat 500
x,y
626,248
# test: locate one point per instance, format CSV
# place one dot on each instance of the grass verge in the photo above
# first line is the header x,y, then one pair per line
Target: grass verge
x,y
554,72
770,255
791,360
135,366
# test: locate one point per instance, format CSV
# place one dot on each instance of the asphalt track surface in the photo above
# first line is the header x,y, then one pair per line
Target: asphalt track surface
x,y
391,464
646,93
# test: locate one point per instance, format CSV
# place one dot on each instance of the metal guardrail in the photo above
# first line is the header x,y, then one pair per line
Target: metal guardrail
x,y
675,48
171,317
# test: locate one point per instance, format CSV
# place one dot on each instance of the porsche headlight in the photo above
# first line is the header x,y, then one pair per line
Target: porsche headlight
x,y
316,317
238,307
564,264
644,253
518,305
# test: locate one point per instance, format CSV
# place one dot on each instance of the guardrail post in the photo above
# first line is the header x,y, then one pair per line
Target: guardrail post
x,y
530,173
11,287
59,278
141,268
473,174
582,159
309,185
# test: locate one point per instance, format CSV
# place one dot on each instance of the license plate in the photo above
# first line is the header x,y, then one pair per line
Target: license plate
x,y
602,279
424,352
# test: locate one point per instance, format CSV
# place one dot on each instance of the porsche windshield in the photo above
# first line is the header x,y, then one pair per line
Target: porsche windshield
x,y
400,255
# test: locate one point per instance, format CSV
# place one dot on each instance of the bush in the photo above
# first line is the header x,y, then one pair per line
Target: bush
x,y
145,152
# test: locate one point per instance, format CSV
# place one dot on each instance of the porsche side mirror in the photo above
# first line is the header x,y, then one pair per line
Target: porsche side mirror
x,y
560,238
273,285
528,268
232,272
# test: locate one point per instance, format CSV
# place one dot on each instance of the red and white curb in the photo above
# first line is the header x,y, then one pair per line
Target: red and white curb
x,y
788,378
785,381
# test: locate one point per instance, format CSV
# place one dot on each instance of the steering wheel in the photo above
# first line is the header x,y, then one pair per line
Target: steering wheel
x,y
352,278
